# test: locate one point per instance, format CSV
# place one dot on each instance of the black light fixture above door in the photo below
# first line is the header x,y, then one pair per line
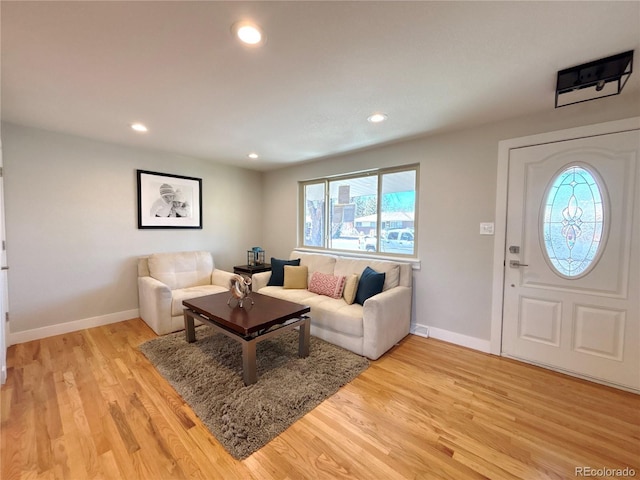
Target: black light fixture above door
x,y
598,79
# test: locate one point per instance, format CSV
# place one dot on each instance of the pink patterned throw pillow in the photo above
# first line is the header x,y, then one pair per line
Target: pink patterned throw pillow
x,y
325,284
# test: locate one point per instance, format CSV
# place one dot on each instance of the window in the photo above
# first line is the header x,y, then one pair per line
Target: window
x,y
573,223
372,212
314,214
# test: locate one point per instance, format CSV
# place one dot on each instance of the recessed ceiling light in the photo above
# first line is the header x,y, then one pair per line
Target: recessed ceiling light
x,y
377,118
248,33
139,127
253,155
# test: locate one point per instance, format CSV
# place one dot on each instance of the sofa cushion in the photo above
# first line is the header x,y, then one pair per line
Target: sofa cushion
x,y
181,269
277,270
350,288
296,295
177,296
315,262
370,284
328,313
295,277
347,266
325,284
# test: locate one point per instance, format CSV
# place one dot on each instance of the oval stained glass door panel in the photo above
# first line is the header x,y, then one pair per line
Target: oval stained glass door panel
x,y
573,221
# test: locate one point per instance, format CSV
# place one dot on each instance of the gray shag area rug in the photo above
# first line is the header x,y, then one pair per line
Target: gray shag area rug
x,y
208,376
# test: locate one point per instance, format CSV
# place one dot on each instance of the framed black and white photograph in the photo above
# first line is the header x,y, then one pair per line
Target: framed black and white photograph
x,y
169,201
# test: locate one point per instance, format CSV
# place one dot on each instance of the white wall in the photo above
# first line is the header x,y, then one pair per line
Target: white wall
x,y
71,219
71,223
453,288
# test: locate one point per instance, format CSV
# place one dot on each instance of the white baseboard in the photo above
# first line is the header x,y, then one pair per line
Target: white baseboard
x,y
420,330
452,337
61,328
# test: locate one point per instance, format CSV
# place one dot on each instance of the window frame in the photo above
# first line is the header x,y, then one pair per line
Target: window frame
x,y
326,228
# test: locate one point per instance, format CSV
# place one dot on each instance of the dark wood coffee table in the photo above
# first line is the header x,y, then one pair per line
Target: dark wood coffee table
x,y
248,325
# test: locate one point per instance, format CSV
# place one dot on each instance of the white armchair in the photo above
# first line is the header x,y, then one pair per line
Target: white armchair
x,y
166,279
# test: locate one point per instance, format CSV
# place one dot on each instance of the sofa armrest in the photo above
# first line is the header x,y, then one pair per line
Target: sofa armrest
x,y
386,320
260,280
155,304
221,277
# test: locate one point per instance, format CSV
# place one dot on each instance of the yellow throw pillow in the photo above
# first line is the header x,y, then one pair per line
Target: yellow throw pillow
x,y
350,288
295,277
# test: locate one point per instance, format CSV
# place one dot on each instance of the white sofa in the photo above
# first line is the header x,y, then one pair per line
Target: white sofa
x,y
166,279
370,329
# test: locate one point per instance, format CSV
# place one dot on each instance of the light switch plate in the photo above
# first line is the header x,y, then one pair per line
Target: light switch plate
x,y
486,228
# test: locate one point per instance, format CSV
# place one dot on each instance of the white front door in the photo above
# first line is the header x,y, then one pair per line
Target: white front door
x,y
572,268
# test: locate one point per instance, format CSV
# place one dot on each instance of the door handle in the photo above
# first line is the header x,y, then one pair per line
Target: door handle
x,y
516,264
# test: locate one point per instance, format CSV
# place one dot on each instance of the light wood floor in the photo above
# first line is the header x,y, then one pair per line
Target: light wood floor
x,y
89,405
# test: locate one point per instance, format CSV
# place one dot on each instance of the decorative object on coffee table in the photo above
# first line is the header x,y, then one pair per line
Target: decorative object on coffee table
x,y
208,376
240,288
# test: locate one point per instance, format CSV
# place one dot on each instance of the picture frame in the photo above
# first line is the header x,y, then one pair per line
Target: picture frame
x,y
169,201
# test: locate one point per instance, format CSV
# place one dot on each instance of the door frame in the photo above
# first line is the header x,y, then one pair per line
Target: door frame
x,y
4,300
502,184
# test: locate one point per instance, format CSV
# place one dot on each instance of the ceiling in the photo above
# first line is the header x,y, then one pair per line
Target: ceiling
x,y
92,68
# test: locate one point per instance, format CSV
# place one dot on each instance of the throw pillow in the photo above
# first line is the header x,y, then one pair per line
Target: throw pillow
x,y
277,271
370,284
325,284
350,288
295,277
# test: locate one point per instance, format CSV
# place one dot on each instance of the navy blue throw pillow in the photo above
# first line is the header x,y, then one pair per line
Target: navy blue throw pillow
x,y
370,284
277,271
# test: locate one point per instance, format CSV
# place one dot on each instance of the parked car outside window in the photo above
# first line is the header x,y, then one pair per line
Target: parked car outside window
x,y
393,241
398,241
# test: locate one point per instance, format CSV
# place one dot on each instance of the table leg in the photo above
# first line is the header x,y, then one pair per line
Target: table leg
x,y
249,371
189,326
304,336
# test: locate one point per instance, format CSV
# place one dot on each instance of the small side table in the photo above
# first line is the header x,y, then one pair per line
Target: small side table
x,y
249,270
